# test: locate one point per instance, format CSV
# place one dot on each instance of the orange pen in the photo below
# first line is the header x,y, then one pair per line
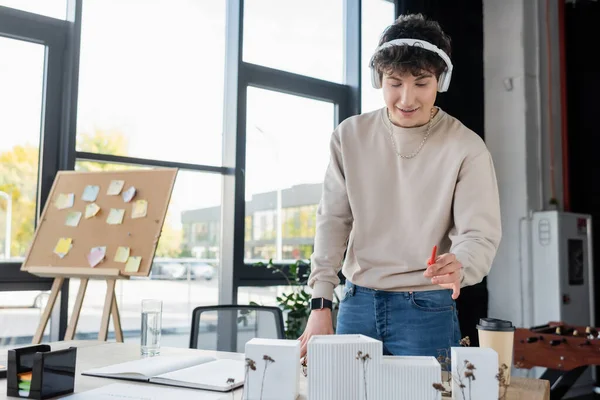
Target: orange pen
x,y
433,256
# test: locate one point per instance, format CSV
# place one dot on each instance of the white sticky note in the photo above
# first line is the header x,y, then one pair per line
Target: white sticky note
x,y
115,188
73,218
128,194
115,217
90,193
64,200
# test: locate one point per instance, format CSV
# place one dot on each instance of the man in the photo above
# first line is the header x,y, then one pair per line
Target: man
x,y
400,181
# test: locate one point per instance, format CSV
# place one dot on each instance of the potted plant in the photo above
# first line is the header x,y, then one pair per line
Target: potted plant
x,y
296,303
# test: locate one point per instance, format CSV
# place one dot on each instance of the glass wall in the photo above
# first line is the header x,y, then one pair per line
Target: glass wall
x,y
376,16
22,81
150,88
23,68
291,36
149,94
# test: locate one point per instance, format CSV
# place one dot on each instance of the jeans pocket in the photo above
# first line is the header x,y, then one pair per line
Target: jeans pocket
x,y
433,300
347,292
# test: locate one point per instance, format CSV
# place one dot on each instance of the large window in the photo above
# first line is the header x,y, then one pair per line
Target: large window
x,y
151,76
304,37
286,156
22,83
376,16
149,81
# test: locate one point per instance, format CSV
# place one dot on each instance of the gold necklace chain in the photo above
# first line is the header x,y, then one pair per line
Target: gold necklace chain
x,y
414,153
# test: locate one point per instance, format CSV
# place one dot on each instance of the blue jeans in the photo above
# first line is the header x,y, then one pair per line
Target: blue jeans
x,y
408,323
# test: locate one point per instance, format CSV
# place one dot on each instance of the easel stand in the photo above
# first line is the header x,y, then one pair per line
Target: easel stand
x,y
118,221
85,274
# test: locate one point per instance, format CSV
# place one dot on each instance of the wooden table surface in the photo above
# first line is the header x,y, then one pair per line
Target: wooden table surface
x,y
93,354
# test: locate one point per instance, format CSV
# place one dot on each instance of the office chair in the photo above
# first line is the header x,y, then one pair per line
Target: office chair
x,y
229,327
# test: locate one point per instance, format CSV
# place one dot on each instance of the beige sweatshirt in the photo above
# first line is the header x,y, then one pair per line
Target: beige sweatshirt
x,y
388,212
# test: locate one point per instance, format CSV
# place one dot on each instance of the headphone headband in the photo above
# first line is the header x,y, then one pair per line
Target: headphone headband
x,y
444,79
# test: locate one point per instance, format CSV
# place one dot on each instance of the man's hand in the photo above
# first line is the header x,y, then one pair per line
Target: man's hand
x,y
445,271
319,323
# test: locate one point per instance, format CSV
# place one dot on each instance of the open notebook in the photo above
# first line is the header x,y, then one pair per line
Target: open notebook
x,y
128,391
198,372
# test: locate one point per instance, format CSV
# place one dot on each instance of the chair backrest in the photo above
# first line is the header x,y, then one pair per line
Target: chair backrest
x,y
229,327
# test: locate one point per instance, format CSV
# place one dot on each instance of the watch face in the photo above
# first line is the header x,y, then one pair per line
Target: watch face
x,y
315,304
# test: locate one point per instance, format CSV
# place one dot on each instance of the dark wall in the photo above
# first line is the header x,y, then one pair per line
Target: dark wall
x,y
462,20
582,86
582,30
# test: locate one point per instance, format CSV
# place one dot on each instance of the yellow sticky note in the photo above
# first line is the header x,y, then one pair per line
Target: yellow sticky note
x,y
62,247
64,200
115,188
140,208
122,254
115,217
133,264
91,210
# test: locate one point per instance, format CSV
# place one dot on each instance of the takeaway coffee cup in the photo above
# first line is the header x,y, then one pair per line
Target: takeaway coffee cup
x,y
498,335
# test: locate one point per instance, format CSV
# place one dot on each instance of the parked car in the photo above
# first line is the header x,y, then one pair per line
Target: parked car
x,y
168,269
201,270
181,268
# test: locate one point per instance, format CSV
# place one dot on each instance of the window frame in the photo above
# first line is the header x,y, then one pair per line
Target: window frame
x,y
51,33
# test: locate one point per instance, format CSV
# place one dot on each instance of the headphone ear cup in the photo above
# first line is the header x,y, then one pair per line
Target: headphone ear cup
x,y
375,78
442,82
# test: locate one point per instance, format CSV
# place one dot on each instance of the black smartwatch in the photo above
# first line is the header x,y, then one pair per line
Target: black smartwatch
x,y
319,303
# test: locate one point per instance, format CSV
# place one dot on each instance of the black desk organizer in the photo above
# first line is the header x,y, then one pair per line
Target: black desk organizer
x,y
53,372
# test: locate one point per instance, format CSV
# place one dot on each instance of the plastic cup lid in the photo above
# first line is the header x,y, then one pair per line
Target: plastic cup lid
x,y
493,324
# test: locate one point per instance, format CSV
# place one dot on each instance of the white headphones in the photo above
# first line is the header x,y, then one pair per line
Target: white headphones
x,y
444,79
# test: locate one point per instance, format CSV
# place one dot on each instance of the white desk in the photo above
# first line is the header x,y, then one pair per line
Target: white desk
x,y
93,354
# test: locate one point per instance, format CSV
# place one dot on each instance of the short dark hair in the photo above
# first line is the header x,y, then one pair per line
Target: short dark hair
x,y
412,59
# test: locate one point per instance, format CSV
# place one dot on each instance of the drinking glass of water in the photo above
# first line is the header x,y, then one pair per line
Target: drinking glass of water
x,y
151,326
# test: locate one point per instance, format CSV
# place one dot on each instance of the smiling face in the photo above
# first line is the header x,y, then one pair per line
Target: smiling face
x,y
409,98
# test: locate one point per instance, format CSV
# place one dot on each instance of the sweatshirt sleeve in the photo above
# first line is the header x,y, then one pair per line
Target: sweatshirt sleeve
x,y
477,226
333,226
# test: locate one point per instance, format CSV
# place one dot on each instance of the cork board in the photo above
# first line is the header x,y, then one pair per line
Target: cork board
x,y
140,235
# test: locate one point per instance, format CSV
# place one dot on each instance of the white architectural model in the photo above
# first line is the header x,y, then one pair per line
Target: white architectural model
x,y
352,367
475,368
276,369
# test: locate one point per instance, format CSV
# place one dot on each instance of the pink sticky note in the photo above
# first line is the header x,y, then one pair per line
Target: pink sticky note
x,y
96,255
